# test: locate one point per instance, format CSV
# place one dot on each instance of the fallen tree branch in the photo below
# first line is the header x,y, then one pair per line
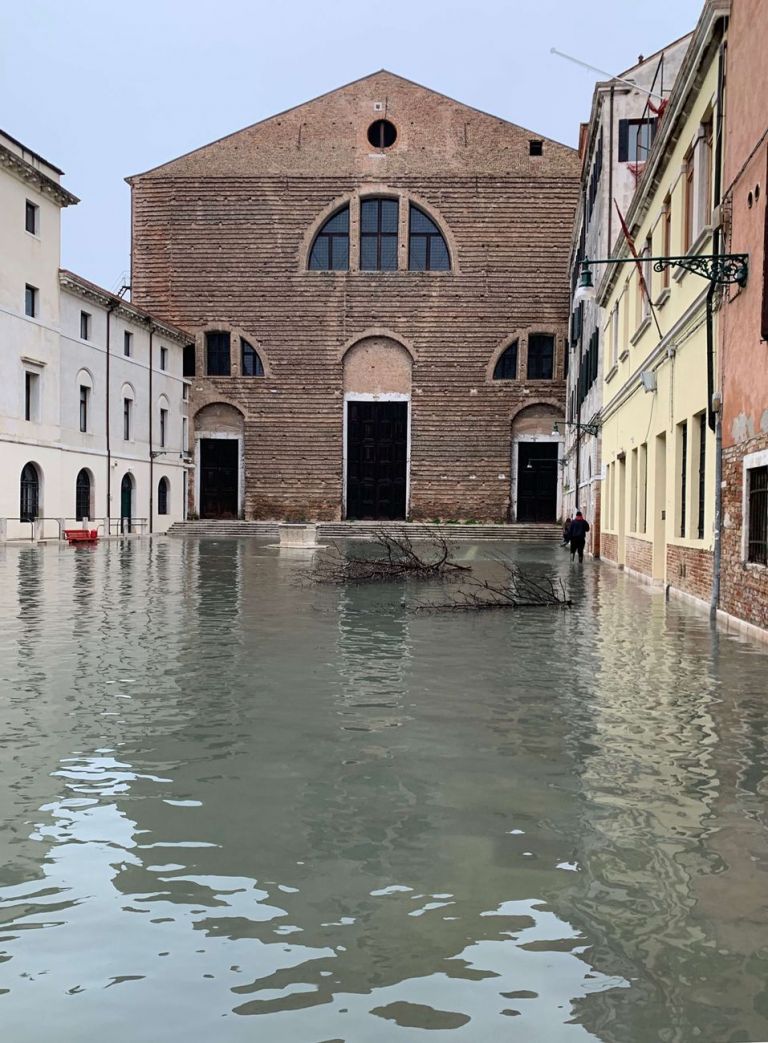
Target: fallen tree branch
x,y
518,589
400,559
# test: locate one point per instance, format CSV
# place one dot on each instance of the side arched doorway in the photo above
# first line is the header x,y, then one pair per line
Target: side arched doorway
x,y
535,494
377,403
126,502
219,449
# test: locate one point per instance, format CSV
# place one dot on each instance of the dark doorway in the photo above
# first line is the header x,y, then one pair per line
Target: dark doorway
x,y
219,465
377,446
537,481
126,503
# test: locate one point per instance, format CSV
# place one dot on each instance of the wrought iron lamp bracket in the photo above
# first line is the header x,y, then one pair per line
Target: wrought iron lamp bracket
x,y
717,268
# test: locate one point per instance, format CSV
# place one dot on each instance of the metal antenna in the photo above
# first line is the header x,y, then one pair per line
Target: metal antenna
x,y
593,68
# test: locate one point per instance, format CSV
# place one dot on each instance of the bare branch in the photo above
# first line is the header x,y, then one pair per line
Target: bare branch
x,y
400,559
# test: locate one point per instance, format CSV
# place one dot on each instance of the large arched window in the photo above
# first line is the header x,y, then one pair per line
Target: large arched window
x,y
251,365
83,495
29,505
163,489
506,365
330,250
378,235
427,250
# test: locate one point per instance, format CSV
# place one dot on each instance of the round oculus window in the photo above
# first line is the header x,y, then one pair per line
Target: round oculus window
x,y
382,134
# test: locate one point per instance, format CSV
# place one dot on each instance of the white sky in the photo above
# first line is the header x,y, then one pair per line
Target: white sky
x,y
106,89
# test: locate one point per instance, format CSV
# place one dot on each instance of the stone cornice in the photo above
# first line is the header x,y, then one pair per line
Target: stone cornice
x,y
124,309
26,172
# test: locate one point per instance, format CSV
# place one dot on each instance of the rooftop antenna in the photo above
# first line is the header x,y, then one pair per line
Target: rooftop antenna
x,y
610,75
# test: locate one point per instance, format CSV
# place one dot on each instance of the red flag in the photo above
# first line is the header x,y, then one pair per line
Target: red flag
x,y
633,250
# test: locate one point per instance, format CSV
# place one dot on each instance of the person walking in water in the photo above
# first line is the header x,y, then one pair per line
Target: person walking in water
x,y
567,531
578,535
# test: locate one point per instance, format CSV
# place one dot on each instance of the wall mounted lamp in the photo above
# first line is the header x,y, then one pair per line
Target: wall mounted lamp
x,y
716,268
591,429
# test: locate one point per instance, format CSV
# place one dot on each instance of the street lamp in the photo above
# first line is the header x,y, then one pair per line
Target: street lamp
x,y
591,429
719,269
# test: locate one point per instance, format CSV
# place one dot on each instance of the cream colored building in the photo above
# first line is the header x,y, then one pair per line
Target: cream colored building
x,y
93,426
657,444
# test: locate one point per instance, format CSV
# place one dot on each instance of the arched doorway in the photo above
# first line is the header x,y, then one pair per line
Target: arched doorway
x,y
126,502
219,442
163,487
83,495
535,456
29,490
377,400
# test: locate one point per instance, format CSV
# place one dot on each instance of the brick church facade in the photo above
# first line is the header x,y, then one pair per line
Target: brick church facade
x,y
377,282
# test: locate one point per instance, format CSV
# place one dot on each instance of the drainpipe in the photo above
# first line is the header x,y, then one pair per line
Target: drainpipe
x,y
110,309
714,419
151,458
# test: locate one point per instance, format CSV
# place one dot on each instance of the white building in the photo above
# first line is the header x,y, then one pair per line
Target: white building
x,y
614,146
93,425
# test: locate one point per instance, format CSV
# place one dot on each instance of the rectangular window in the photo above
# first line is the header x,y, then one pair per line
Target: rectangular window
x,y
30,301
189,360
689,233
647,277
633,461
683,473
757,533
163,426
642,488
32,218
31,396
635,139
127,344
666,237
702,419
217,353
163,358
85,325
704,162
541,356
127,404
84,391
378,235
624,300
615,333
184,434
185,392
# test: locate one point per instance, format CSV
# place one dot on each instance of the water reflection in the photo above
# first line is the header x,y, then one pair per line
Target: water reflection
x,y
313,814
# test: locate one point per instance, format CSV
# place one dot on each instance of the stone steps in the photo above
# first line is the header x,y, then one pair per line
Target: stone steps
x,y
365,530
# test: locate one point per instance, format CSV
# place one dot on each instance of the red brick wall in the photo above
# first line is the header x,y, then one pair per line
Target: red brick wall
x,y
220,237
609,546
743,588
639,555
690,570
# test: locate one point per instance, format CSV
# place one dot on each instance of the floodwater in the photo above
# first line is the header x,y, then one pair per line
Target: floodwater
x,y
235,807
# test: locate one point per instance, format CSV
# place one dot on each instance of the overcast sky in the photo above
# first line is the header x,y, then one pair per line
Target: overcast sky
x,y
105,89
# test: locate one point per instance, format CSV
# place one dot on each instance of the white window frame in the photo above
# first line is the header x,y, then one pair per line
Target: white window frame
x,y
751,462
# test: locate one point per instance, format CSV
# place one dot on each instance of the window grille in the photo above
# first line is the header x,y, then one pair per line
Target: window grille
x,y
251,365
217,352
330,250
29,506
83,496
378,235
757,545
506,364
427,250
541,356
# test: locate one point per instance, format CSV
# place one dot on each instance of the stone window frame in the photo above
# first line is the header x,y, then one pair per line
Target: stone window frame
x,y
236,334
750,463
521,335
353,200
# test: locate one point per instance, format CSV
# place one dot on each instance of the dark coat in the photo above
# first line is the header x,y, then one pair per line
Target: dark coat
x,y
579,530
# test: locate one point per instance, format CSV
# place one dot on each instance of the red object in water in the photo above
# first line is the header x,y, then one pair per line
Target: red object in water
x,y
81,535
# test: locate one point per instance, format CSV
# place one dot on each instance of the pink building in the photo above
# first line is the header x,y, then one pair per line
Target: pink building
x,y
744,320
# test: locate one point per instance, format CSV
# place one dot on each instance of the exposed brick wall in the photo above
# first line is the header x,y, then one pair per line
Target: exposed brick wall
x,y
743,588
639,555
690,570
609,546
220,237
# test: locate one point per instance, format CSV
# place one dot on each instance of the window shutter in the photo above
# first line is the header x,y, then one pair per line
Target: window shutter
x,y
623,141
